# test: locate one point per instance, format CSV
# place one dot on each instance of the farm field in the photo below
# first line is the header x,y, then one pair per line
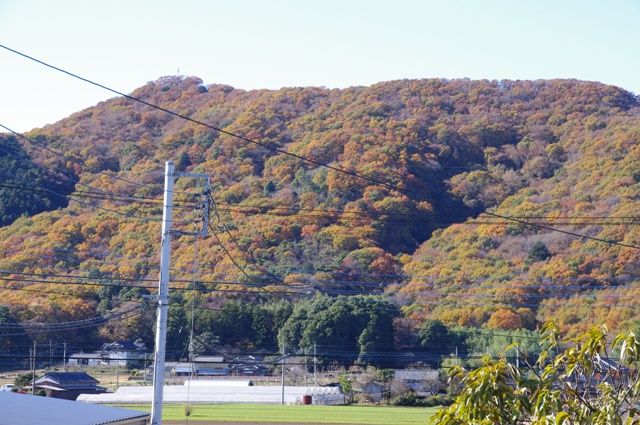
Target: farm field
x,y
275,414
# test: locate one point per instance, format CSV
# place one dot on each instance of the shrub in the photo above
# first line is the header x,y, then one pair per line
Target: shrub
x,y
538,252
188,410
411,399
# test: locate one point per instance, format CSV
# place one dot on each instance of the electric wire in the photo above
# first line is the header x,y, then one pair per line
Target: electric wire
x,y
284,152
202,123
74,158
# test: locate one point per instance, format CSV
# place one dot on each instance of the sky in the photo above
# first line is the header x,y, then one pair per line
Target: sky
x,y
278,43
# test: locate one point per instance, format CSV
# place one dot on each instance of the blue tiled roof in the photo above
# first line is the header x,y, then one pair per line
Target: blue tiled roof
x,y
23,409
69,378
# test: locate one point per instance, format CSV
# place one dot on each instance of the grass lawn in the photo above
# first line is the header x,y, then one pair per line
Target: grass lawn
x,y
369,415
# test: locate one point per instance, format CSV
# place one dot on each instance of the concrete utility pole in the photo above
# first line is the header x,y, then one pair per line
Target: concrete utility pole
x,y
64,357
306,355
33,371
163,285
315,366
284,359
163,296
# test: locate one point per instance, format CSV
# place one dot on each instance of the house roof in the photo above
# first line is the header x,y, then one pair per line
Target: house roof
x,y
182,367
120,345
247,359
23,409
209,359
84,356
65,379
416,375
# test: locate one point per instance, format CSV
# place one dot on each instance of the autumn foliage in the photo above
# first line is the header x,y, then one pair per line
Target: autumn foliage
x,y
562,153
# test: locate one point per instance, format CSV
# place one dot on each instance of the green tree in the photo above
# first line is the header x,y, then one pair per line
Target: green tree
x,y
433,335
205,342
6,318
22,380
538,252
346,384
360,325
19,174
579,385
435,338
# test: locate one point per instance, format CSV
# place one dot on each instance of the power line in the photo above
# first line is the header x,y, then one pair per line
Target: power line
x,y
261,209
98,284
95,207
81,163
281,211
309,212
220,130
86,325
282,151
77,160
480,283
566,232
62,325
237,245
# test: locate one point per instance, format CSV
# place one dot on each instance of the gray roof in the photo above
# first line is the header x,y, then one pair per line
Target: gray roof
x,y
416,375
85,356
68,380
23,409
209,359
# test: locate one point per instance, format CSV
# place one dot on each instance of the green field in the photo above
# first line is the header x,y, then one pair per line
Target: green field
x,y
370,415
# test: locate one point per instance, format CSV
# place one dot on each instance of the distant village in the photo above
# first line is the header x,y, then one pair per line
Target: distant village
x,y
218,378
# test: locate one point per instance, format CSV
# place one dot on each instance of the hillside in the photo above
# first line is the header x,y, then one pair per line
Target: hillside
x,y
561,153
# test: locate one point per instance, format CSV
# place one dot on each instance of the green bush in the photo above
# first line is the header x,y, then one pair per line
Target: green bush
x,y
411,399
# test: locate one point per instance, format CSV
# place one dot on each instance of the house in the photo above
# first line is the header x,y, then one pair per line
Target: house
x,y
247,365
23,409
200,366
211,366
119,346
68,385
423,382
179,368
374,391
604,371
118,353
84,359
124,353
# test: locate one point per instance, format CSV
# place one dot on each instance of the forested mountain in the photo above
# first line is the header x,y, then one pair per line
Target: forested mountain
x,y
561,154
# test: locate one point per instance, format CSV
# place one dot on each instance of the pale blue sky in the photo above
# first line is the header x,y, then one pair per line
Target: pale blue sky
x,y
276,43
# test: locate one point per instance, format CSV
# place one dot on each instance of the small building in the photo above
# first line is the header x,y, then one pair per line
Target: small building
x,y
68,385
84,359
247,366
124,353
23,409
210,366
200,366
209,359
181,369
423,382
374,391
